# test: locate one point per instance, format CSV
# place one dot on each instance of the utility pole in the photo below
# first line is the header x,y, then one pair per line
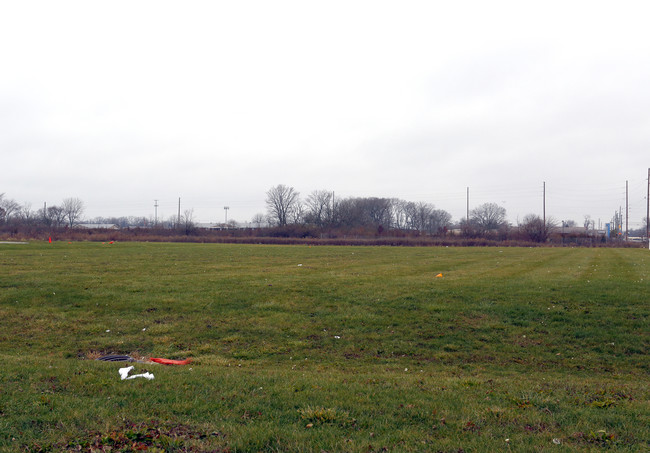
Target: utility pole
x,y
155,205
544,204
467,216
225,208
647,216
179,211
627,209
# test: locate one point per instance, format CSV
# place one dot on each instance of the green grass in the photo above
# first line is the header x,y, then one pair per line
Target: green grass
x,y
299,348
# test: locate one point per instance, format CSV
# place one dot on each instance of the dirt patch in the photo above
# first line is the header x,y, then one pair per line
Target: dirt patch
x,y
151,435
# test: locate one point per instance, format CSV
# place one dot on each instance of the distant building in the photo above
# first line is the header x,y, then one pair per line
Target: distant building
x,y
209,226
577,231
94,226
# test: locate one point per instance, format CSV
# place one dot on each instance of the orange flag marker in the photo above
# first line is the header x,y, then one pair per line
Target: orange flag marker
x,y
439,275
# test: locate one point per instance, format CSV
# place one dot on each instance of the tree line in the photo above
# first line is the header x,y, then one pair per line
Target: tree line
x,y
320,214
488,220
323,210
68,213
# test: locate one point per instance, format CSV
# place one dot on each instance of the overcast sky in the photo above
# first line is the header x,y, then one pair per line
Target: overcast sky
x,y
122,103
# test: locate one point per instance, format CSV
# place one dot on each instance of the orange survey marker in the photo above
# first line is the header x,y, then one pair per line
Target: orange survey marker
x,y
439,275
171,362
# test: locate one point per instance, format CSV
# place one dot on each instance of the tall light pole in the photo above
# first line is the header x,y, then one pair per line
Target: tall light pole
x,y
225,208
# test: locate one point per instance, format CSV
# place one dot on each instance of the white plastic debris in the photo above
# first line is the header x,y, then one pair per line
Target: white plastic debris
x,y
146,375
124,374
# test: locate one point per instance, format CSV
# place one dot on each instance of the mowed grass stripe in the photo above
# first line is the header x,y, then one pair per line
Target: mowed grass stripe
x,y
340,289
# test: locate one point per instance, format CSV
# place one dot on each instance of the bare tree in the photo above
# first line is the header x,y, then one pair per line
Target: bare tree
x,y
55,216
282,203
348,213
319,207
378,210
534,228
439,221
297,214
258,220
364,212
72,210
25,214
8,208
488,217
421,216
399,216
188,221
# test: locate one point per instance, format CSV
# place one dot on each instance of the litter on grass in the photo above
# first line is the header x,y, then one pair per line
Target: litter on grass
x,y
171,362
146,375
124,374
126,358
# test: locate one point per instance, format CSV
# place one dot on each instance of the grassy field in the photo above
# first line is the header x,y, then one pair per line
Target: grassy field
x,y
297,348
